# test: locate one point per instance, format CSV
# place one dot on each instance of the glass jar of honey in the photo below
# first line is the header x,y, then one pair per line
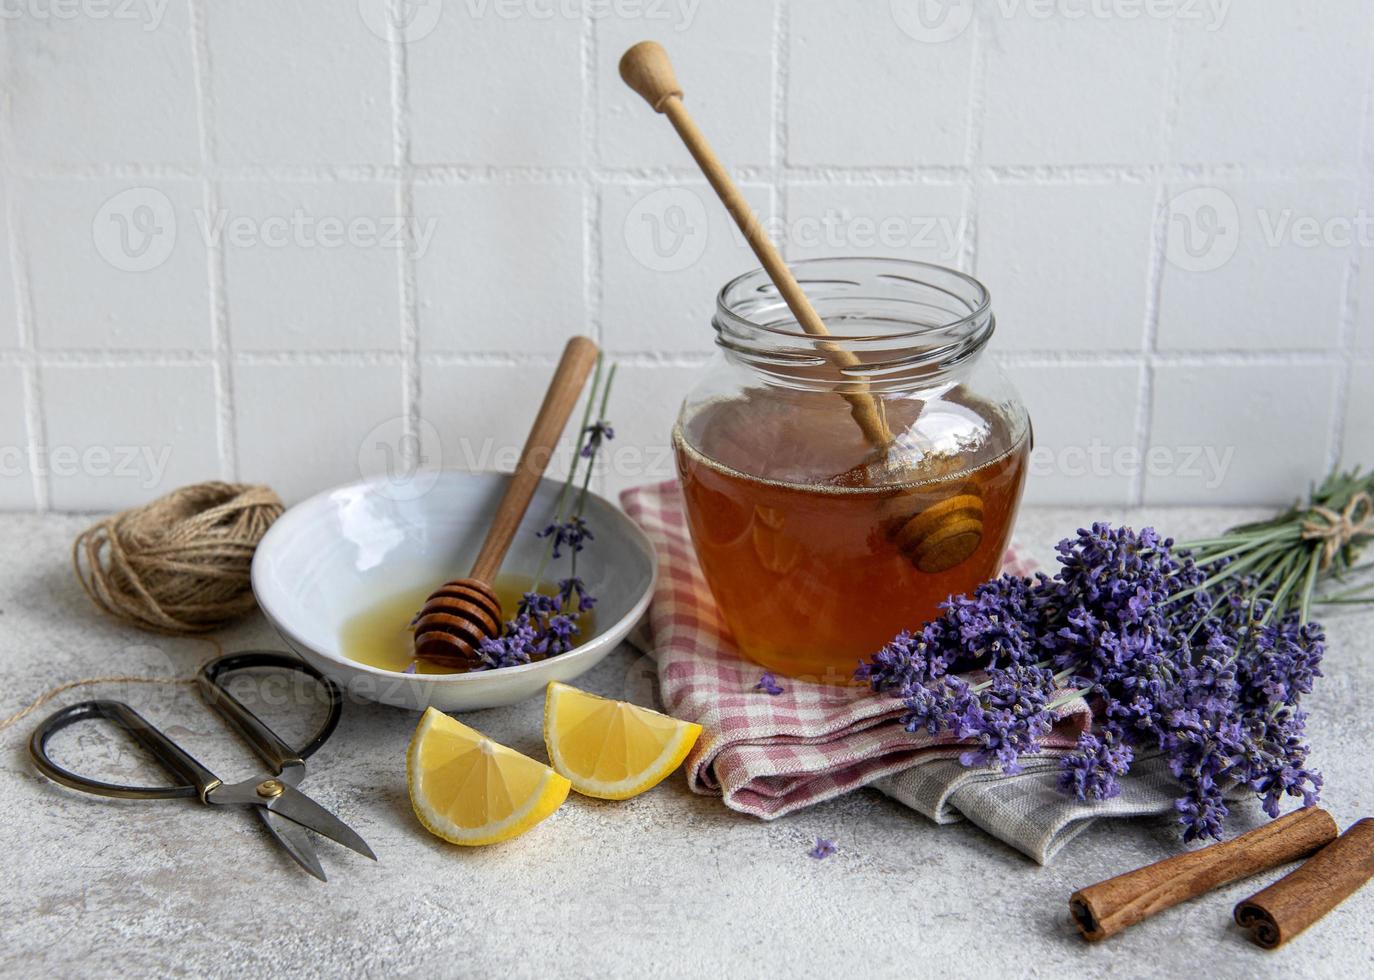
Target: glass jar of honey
x,y
818,539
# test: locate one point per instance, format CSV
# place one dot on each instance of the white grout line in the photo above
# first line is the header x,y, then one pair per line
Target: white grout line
x,y
1054,357
25,356
592,258
1154,286
411,450
226,422
1350,299
778,182
444,174
973,146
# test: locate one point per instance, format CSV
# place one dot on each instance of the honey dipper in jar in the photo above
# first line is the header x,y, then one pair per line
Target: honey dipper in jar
x,y
460,614
937,533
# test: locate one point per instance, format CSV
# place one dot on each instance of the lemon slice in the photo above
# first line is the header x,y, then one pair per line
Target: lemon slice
x,y
611,749
468,789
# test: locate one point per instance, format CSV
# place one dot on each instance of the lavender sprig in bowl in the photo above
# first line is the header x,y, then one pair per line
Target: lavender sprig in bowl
x,y
1200,653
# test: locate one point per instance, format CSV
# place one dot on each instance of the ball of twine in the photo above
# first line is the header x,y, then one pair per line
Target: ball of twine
x,y
179,565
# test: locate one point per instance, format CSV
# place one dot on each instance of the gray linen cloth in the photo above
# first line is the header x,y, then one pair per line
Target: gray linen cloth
x,y
1027,810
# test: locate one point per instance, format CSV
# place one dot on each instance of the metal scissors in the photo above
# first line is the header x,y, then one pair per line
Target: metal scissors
x,y
277,799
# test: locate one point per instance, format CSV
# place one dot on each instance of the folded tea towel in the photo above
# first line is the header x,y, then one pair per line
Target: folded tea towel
x,y
768,755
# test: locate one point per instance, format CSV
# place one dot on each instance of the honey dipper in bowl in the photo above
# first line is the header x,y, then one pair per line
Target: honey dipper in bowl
x,y
460,614
945,532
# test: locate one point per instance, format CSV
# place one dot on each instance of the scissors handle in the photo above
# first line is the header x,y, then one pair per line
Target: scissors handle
x,y
197,780
265,742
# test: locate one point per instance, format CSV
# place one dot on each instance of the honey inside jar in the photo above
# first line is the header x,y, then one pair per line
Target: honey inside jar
x,y
809,550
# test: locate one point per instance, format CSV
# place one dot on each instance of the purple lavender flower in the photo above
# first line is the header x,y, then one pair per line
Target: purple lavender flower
x,y
1130,625
571,533
1090,772
558,635
768,684
518,644
1007,719
534,604
596,433
569,588
823,849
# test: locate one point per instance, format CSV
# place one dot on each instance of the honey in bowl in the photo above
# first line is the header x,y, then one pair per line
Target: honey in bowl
x,y
813,573
380,635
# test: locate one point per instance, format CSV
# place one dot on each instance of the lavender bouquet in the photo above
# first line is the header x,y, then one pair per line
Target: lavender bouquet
x,y
545,625
1200,652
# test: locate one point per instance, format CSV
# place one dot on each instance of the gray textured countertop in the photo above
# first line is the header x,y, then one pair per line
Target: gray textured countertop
x,y
666,884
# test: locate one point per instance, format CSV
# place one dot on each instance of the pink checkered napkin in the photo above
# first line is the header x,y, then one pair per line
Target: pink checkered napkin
x,y
769,754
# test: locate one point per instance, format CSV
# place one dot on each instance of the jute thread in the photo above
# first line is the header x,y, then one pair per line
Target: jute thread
x,y
179,566
1338,528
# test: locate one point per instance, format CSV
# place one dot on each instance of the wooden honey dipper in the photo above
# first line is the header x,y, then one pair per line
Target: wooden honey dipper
x,y
940,536
460,614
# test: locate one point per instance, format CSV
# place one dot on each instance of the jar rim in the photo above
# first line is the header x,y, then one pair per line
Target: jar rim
x,y
756,281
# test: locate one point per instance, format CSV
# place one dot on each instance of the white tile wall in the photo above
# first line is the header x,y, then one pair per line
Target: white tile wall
x,y
665,253
1238,434
927,223
1282,286
305,82
468,420
492,90
1066,263
304,427
505,267
1085,447
90,89
1117,181
1364,307
9,305
16,467
311,265
115,264
735,39
1358,447
1276,83
117,436
862,92
1038,113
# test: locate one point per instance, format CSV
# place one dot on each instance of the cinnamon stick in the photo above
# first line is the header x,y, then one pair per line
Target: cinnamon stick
x,y
1106,908
1294,902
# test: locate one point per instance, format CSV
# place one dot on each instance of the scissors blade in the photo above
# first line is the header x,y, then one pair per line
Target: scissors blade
x,y
294,838
296,806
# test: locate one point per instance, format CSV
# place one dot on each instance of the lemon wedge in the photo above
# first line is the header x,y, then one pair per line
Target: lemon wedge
x,y
611,749
470,790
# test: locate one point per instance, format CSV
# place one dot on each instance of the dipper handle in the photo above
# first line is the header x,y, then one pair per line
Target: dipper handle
x,y
578,357
646,69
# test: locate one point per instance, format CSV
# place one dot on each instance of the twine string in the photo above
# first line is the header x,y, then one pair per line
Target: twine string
x,y
179,566
1336,529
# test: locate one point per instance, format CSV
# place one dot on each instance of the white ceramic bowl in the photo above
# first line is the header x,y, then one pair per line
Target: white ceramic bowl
x,y
339,552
